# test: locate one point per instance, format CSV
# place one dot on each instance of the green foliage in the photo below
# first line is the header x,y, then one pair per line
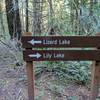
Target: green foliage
x,y
79,71
64,71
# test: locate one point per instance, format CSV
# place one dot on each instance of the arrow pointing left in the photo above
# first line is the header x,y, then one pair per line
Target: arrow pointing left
x,y
37,55
33,42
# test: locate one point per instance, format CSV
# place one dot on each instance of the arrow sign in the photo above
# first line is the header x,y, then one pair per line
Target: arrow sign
x,y
37,55
33,42
61,55
60,41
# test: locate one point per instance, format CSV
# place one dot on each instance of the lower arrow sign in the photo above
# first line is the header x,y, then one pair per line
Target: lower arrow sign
x,y
61,55
37,55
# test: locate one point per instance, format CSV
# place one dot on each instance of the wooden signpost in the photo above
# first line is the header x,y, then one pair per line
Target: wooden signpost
x,y
75,54
60,41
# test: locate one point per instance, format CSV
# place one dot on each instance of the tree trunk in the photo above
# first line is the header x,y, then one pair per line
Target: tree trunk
x,y
27,29
75,16
13,18
37,17
10,16
50,14
17,21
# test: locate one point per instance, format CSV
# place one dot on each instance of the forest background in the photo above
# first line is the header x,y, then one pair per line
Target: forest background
x,y
43,18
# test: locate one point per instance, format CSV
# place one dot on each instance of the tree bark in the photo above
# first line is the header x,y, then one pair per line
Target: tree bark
x,y
17,21
37,17
13,18
10,16
50,14
27,29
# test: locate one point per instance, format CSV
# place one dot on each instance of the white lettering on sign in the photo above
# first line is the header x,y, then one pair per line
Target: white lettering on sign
x,y
56,42
58,55
50,42
54,55
47,55
64,42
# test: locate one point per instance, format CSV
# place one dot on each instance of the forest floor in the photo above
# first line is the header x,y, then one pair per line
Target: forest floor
x,y
13,81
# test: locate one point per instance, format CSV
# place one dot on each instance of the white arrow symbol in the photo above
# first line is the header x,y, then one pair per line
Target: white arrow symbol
x,y
37,55
35,42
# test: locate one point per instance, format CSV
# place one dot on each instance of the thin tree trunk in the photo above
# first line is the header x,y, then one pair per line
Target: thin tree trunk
x,y
27,29
23,17
37,17
72,16
50,14
17,21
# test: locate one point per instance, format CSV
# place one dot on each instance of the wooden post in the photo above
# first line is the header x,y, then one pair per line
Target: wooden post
x,y
30,75
95,78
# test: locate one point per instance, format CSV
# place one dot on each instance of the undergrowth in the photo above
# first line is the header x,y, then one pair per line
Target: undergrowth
x,y
78,72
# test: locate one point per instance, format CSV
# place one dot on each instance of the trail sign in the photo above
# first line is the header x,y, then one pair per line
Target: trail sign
x,y
30,55
60,41
61,55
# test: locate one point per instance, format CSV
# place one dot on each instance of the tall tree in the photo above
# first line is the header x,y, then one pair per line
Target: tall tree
x,y
10,16
17,20
27,29
75,15
51,13
37,16
13,18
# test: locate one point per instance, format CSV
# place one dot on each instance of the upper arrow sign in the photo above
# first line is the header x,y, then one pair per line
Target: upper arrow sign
x,y
33,42
60,41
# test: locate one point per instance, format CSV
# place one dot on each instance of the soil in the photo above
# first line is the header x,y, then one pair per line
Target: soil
x,y
13,81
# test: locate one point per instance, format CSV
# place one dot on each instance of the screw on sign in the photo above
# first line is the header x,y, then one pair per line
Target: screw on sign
x,y
30,55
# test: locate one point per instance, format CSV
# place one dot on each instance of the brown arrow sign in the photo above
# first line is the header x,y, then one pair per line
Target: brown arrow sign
x,y
60,41
61,55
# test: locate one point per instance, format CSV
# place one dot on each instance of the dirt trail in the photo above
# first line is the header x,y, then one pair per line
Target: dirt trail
x,y
11,87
